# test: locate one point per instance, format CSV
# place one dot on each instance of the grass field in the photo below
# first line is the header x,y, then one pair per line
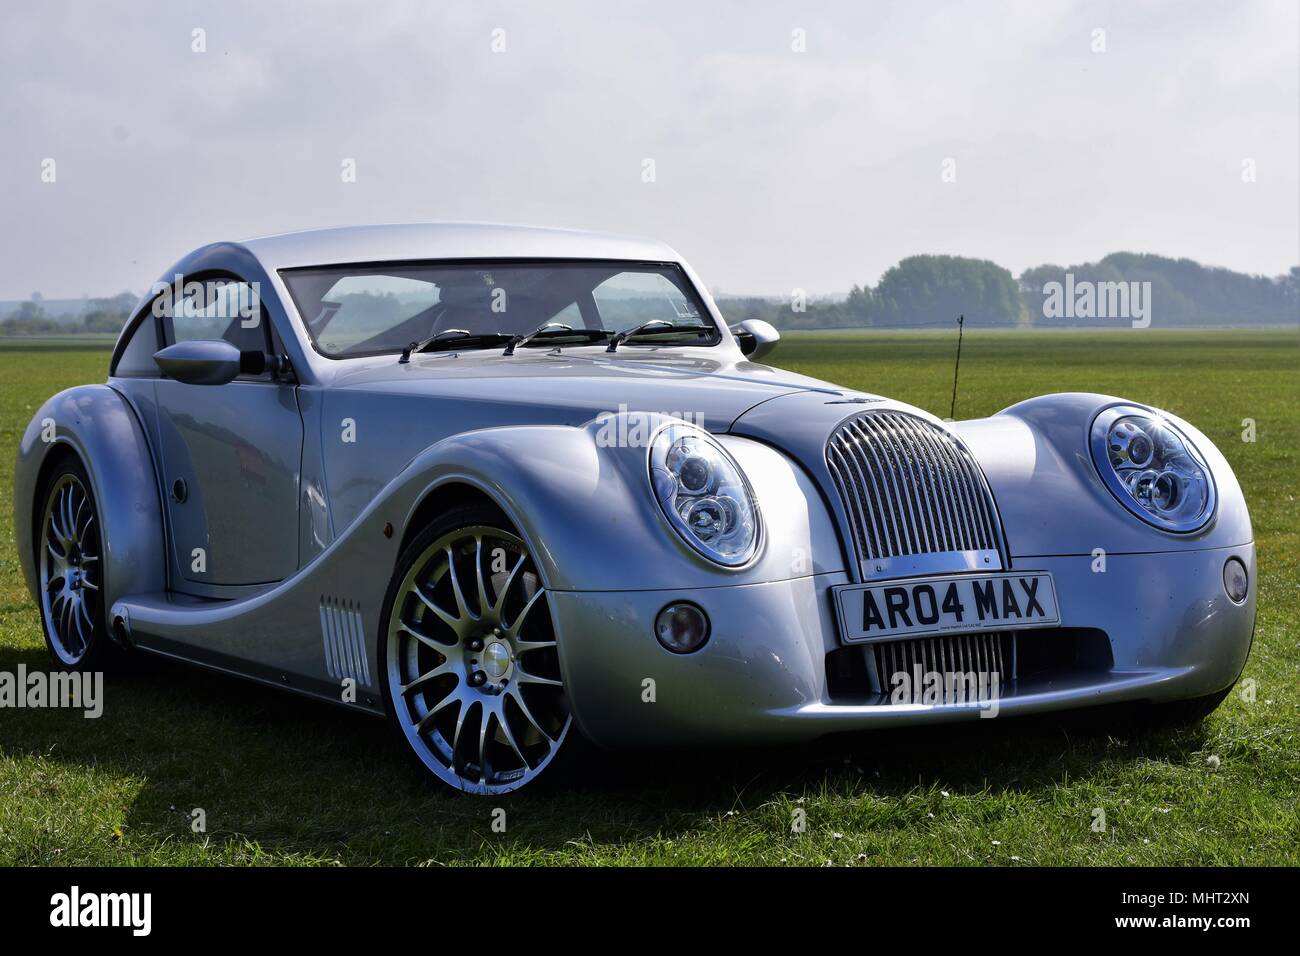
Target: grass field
x,y
286,781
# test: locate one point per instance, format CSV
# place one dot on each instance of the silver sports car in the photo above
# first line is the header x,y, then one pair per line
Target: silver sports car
x,y
507,485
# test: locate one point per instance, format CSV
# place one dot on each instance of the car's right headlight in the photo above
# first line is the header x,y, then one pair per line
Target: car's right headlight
x,y
704,494
1152,468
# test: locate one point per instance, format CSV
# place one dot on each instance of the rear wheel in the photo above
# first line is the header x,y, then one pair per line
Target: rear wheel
x,y
71,570
471,664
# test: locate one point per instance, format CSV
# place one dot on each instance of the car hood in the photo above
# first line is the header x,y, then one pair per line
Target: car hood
x,y
575,386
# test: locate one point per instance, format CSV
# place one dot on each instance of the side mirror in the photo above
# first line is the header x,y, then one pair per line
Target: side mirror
x,y
208,362
755,337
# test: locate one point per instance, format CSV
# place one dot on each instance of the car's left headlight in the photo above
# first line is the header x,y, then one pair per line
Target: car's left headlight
x,y
1153,468
704,494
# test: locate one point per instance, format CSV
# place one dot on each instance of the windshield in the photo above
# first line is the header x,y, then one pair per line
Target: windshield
x,y
372,309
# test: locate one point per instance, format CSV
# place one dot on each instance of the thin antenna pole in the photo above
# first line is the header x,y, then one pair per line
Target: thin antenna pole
x,y
952,410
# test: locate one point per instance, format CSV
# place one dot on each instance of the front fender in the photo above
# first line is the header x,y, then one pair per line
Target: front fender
x,y
97,423
1037,459
586,510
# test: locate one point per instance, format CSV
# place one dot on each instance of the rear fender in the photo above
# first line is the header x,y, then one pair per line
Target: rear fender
x,y
96,423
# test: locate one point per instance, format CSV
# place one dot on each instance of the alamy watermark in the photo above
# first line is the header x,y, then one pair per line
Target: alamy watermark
x,y
919,686
208,299
128,910
625,429
1086,299
39,689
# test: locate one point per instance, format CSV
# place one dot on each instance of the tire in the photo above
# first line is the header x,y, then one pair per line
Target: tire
x,y
469,657
70,570
1185,713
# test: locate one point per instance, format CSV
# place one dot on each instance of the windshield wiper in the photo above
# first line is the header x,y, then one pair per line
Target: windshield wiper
x,y
455,337
422,344
653,327
554,330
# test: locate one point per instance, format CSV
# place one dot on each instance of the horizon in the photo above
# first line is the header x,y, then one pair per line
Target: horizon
x,y
811,294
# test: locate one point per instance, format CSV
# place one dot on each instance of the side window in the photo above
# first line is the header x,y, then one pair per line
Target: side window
x,y
631,298
137,358
218,309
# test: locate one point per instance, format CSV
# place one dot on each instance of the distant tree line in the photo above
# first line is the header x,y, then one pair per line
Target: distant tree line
x,y
931,291
101,316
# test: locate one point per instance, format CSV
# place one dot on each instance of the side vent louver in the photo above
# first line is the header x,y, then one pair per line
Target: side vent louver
x,y
344,636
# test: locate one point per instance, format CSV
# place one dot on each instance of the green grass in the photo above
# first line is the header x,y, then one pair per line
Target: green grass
x,y
287,781
74,342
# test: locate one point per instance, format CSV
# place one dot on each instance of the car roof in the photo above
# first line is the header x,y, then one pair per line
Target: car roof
x,y
448,240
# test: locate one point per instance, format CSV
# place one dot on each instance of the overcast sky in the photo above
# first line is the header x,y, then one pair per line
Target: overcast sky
x,y
773,168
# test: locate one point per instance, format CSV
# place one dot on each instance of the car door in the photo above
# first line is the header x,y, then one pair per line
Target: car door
x,y
230,454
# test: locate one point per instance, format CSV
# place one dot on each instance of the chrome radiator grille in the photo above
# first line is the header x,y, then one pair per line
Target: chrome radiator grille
x,y
980,654
909,487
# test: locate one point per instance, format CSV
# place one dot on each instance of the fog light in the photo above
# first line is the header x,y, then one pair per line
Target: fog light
x,y
682,628
1235,581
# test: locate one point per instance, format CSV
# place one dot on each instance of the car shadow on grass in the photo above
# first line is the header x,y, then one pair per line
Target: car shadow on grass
x,y
279,777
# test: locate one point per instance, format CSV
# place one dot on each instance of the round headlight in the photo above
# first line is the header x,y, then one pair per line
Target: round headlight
x,y
704,495
1152,468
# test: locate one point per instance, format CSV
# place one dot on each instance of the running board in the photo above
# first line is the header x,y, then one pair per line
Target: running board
x,y
311,643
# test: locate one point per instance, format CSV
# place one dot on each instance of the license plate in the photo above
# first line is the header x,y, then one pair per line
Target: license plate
x,y
956,602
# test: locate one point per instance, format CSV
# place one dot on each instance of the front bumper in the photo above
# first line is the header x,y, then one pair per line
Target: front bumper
x,y
762,676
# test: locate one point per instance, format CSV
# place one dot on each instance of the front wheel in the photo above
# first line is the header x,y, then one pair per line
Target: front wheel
x,y
471,665
69,559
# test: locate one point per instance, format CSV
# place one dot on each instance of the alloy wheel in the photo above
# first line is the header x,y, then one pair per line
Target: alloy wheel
x,y
70,569
473,666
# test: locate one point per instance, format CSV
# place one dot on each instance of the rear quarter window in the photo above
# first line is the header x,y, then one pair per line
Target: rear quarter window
x,y
136,358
